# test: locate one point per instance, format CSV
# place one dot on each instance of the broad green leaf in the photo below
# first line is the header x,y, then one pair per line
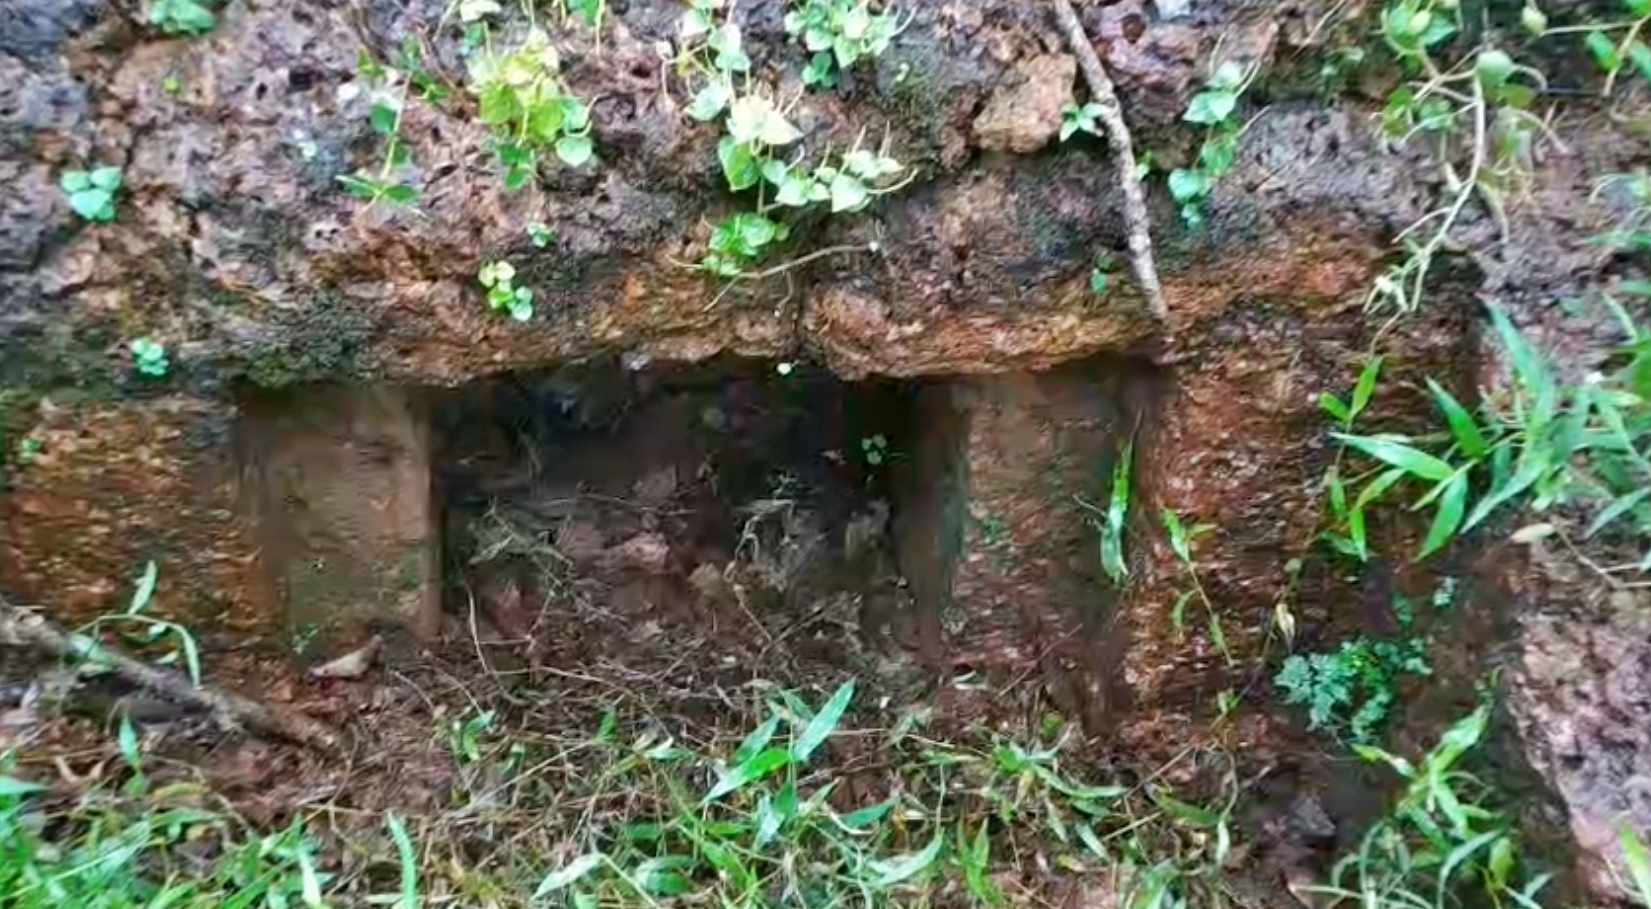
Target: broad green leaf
x,y
823,724
756,768
93,205
575,150
568,874
902,868
756,740
796,190
754,119
1229,76
384,118
181,17
695,22
1333,406
1604,51
1462,735
12,787
1462,425
848,193
575,115
400,194
739,164
106,178
1640,55
1448,518
75,181
1365,389
711,100
1187,185
664,875
1493,68
1393,450
1211,107
860,820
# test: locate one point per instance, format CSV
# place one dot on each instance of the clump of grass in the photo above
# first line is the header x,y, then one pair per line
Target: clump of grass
x,y
140,846
1443,844
1539,442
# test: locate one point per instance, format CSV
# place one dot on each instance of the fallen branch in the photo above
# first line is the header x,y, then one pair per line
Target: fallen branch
x,y
23,627
1139,227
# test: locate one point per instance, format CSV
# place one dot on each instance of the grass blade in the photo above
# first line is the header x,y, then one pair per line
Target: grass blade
x,y
409,862
1366,388
1462,425
145,590
1639,863
756,741
1177,535
1378,487
1531,468
1333,406
905,867
823,724
12,787
1448,519
749,772
1459,855
1617,509
569,874
1112,521
1398,454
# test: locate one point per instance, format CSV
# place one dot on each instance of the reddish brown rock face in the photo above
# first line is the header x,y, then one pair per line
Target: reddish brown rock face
x,y
280,475
1024,114
337,483
116,485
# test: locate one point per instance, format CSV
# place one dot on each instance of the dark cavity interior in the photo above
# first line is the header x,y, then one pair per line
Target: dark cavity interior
x,y
719,517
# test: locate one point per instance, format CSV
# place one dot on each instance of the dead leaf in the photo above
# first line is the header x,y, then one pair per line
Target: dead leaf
x,y
352,665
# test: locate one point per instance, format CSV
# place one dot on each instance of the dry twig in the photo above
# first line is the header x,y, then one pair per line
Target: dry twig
x,y
20,626
1123,152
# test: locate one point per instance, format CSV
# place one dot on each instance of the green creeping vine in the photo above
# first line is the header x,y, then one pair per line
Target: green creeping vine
x,y
530,110
92,193
183,17
753,151
1476,114
503,294
1214,108
839,33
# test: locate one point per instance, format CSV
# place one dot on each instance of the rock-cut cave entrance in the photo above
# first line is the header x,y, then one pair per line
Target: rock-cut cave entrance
x,y
730,516
727,516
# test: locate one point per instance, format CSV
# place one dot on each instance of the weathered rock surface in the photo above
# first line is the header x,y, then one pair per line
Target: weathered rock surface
x,y
235,246
1025,113
1581,692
